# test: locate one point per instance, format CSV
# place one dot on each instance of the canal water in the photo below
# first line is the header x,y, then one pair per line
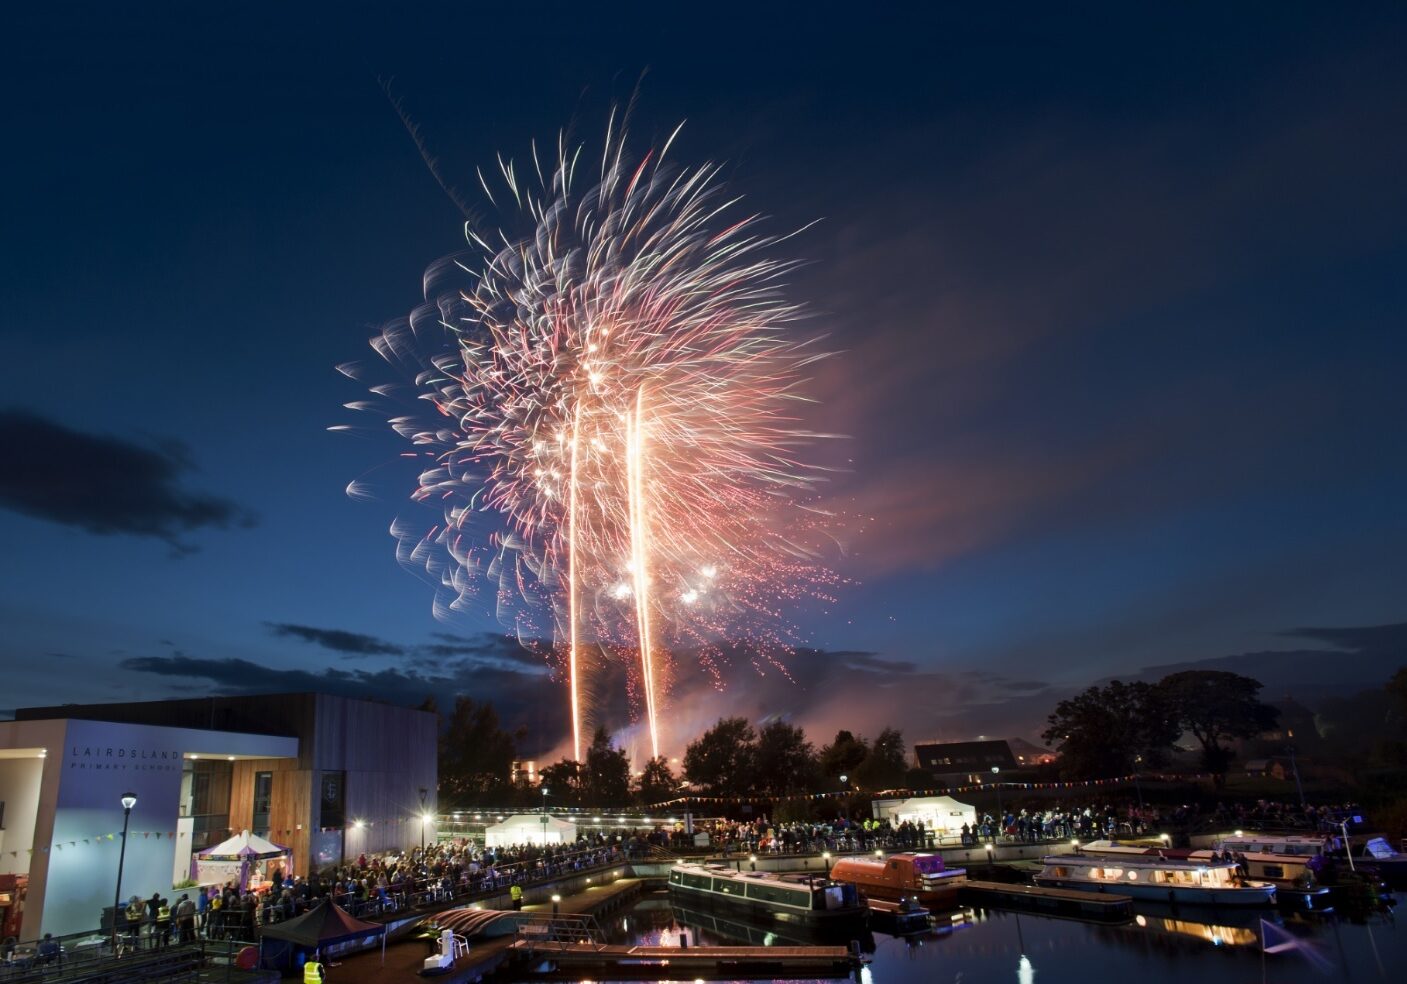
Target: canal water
x,y
1162,946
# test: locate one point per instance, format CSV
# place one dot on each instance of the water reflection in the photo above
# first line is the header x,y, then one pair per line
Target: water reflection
x,y
1161,945
1209,932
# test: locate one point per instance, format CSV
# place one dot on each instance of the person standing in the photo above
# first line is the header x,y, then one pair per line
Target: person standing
x,y
135,911
163,921
185,919
202,910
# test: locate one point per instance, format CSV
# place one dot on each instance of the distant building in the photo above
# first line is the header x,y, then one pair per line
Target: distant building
x,y
327,777
1029,754
965,761
523,771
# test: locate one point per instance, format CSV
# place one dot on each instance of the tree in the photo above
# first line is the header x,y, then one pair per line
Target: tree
x,y
1216,707
724,758
885,765
657,781
476,753
844,755
562,781
917,778
1397,687
605,780
1104,731
786,761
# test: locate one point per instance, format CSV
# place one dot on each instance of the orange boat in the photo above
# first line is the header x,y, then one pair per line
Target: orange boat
x,y
909,875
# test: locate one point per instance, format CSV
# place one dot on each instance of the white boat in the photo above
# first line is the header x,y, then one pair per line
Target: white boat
x,y
1294,876
1159,879
1296,845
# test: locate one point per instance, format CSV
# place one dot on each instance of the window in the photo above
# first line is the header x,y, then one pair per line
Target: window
x,y
263,799
1274,871
775,893
332,799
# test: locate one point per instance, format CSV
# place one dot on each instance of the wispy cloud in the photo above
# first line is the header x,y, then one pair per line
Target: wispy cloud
x,y
103,484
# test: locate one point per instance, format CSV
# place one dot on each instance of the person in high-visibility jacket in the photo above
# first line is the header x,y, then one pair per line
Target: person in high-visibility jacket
x,y
313,972
516,894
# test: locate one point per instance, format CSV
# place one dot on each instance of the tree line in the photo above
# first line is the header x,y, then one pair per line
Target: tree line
x,y
732,758
1124,728
1107,730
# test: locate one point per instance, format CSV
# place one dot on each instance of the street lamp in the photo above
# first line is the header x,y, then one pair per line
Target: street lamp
x,y
556,904
1138,761
996,770
826,857
129,800
753,858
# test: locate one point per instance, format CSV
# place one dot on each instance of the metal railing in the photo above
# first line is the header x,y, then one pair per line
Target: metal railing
x,y
203,961
414,895
539,929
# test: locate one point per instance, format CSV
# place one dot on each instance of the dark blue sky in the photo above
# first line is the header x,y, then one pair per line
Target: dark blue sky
x,y
1119,296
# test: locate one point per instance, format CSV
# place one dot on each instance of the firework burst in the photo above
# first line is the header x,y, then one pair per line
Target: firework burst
x,y
614,437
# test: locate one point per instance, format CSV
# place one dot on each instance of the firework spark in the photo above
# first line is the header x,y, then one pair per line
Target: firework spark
x,y
615,439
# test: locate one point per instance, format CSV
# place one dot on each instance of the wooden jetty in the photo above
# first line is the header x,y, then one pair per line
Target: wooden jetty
x,y
624,962
1048,901
485,956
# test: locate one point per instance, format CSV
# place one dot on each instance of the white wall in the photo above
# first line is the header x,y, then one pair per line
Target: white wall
x,y
19,789
77,836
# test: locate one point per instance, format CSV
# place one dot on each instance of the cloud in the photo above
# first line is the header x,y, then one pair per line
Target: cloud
x,y
1374,639
486,647
103,484
483,649
352,644
514,693
1365,657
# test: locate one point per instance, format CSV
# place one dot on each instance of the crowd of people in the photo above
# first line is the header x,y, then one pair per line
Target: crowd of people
x,y
375,885
1266,814
459,870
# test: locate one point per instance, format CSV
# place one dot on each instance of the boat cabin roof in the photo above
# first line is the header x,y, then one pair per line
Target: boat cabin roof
x,y
1136,861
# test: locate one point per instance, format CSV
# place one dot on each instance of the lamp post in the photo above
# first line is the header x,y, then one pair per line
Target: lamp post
x,y
129,800
996,770
1138,761
544,816
1294,767
556,904
424,819
826,857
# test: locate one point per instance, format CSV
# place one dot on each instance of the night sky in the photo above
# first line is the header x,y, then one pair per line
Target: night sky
x,y
1117,298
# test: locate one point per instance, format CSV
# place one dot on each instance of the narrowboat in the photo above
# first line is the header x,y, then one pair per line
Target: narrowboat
x,y
1294,876
793,898
909,875
1158,879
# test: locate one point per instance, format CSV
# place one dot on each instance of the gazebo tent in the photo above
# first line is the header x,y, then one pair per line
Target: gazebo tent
x,y
324,925
941,814
530,828
233,859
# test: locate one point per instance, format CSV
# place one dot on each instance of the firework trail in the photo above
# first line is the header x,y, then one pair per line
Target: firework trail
x,y
614,438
